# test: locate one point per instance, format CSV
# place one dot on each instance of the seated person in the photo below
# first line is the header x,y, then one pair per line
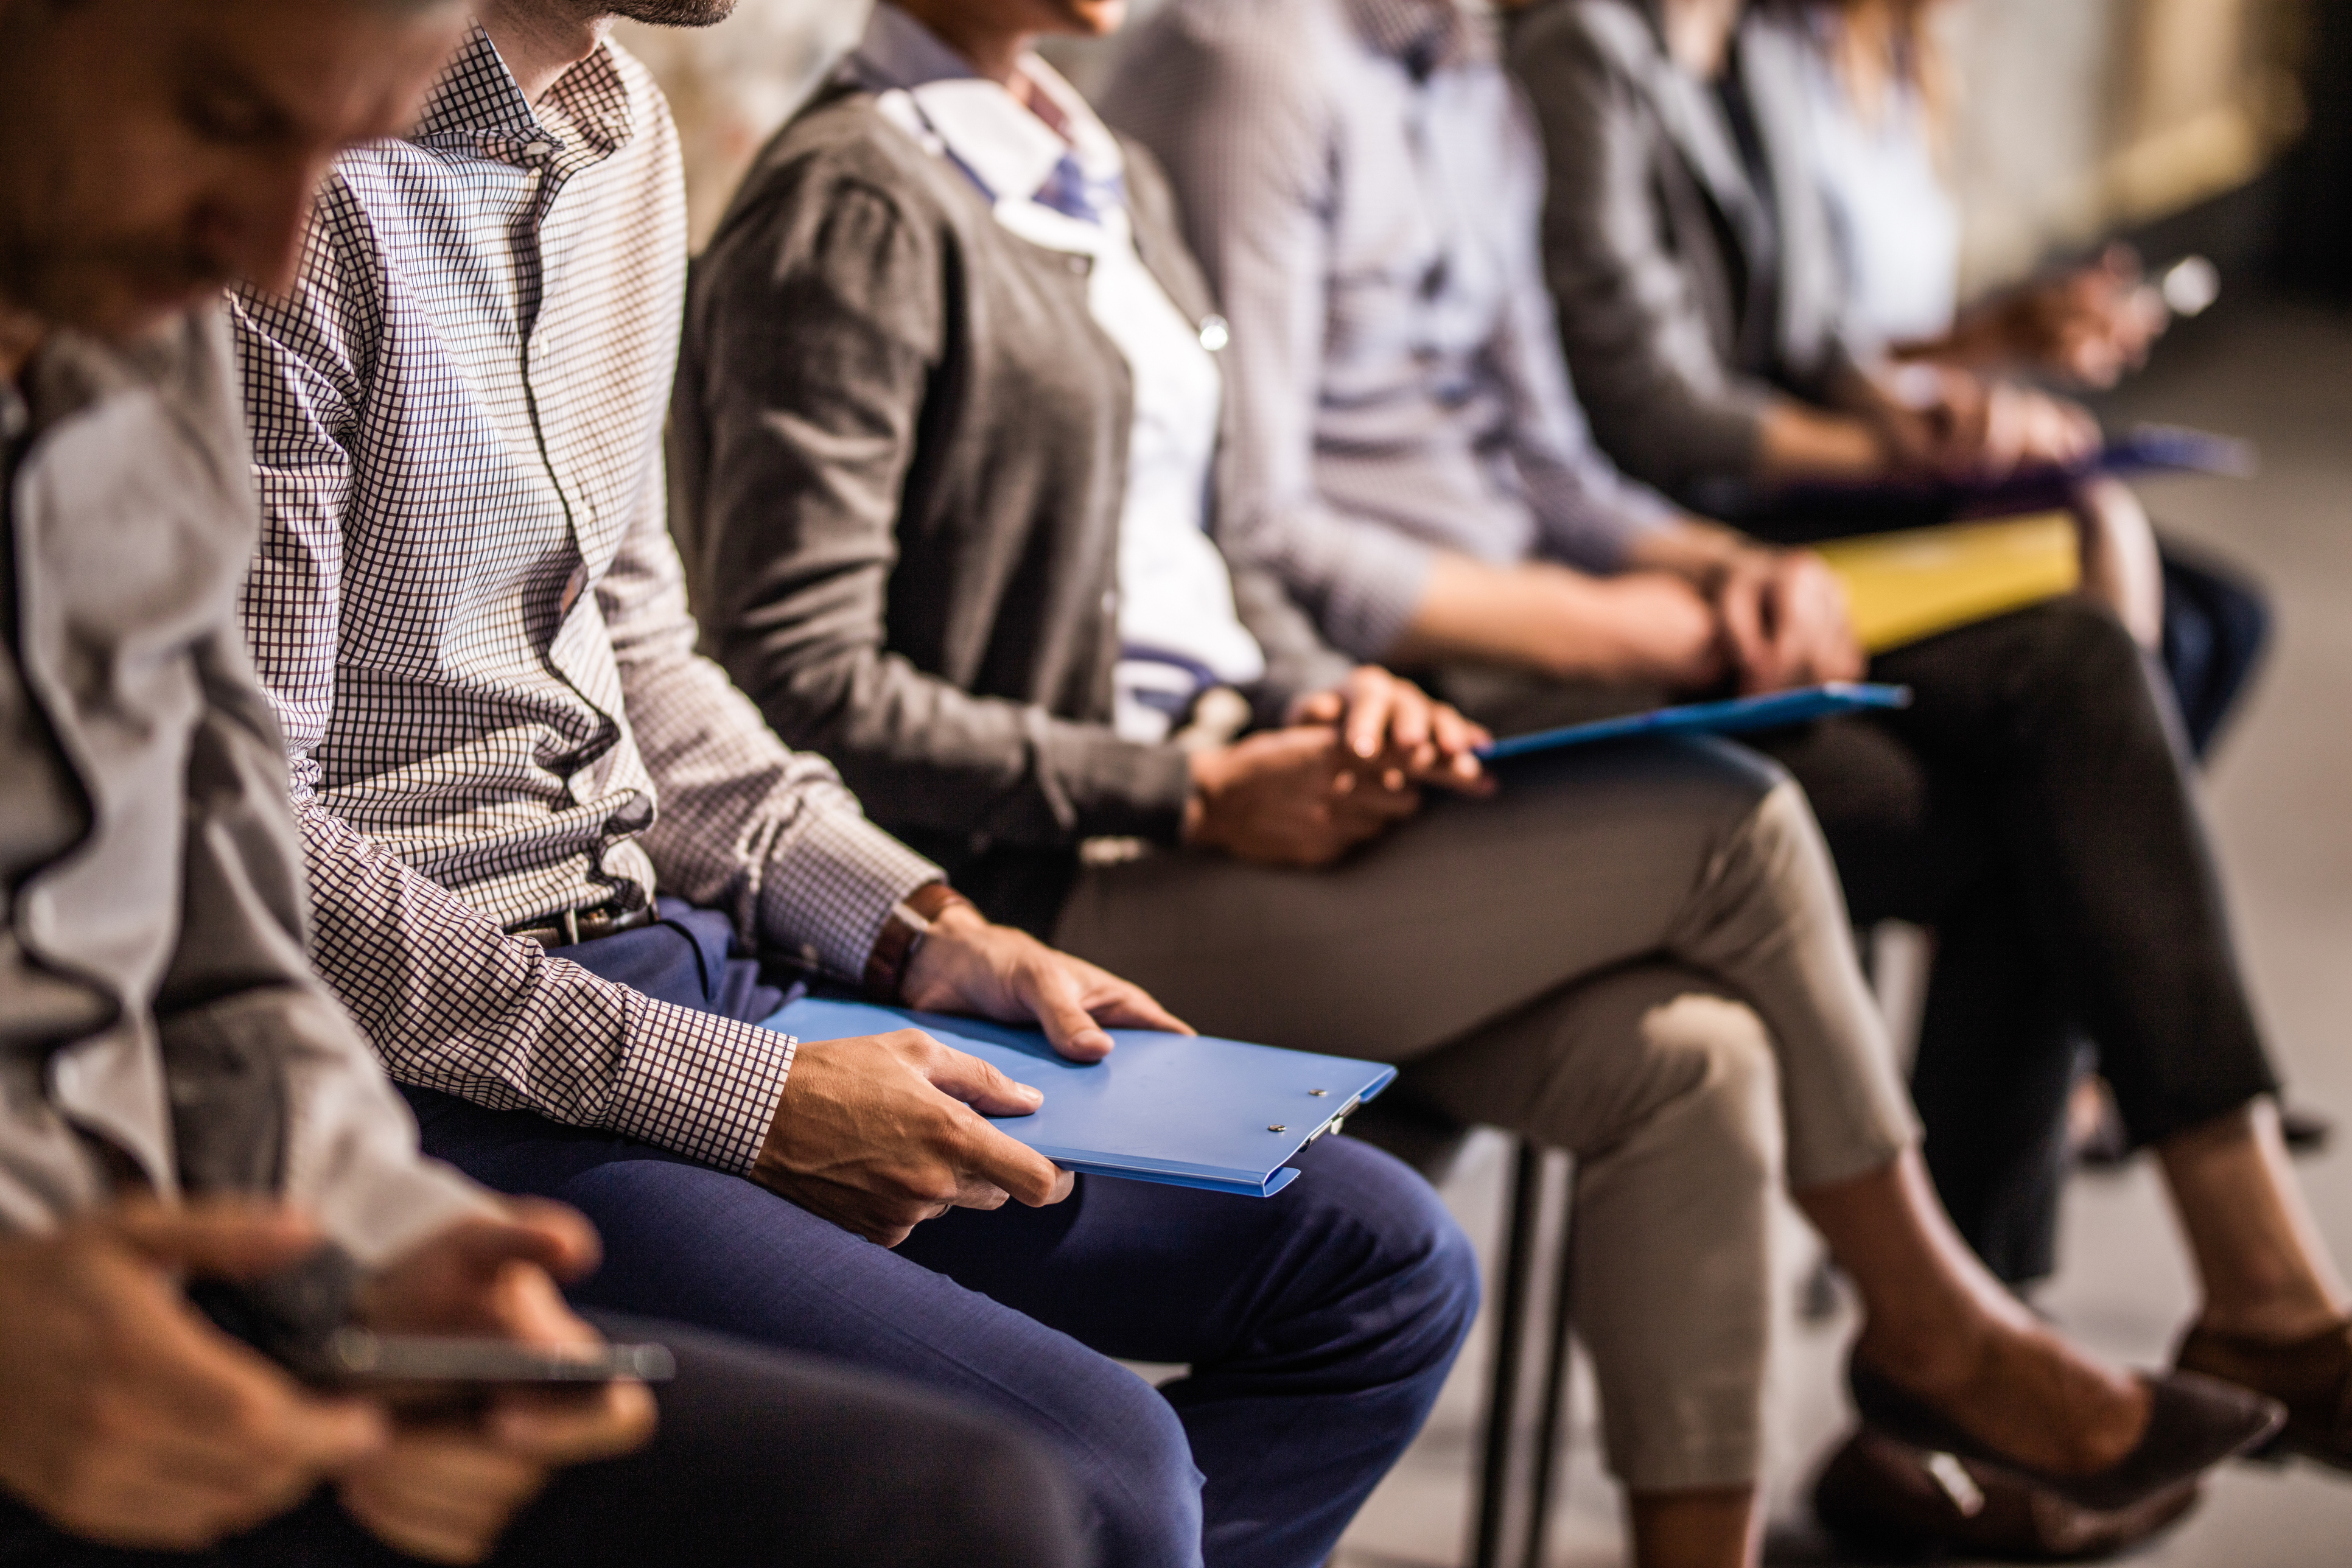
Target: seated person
x,y
180,1097
1362,187
946,441
1879,92
1877,95
1592,83
505,750
1716,320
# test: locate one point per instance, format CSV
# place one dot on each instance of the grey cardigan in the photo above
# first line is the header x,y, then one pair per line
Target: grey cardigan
x,y
160,1027
899,458
1685,295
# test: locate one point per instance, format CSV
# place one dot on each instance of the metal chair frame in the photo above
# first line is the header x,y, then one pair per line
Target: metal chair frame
x,y
1501,1455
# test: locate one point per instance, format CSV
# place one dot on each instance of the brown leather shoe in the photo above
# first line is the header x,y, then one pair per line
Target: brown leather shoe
x,y
2194,1423
1882,1497
2313,1378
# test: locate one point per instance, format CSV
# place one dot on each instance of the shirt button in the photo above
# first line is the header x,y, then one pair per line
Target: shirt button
x,y
1078,266
572,587
36,916
537,149
1214,333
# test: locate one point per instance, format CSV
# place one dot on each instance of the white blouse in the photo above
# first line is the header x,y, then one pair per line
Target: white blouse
x,y
1179,631
1897,228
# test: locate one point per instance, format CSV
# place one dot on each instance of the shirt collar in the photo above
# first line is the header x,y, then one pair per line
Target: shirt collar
x,y
1009,151
477,102
1424,36
73,371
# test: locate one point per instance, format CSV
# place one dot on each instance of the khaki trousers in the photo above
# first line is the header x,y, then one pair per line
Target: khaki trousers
x,y
1638,954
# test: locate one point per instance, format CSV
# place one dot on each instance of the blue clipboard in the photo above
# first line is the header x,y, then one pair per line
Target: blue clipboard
x,y
2145,450
2177,450
1186,1110
1736,716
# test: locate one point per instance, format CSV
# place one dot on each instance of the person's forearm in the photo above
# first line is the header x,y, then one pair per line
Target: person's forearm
x,y
1533,615
1799,445
1979,340
1691,548
452,1002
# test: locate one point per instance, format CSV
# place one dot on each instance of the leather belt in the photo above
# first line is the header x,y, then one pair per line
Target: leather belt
x,y
581,925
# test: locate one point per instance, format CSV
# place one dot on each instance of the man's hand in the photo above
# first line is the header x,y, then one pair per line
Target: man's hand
x,y
1784,615
1296,797
1388,720
444,1490
966,964
881,1132
125,1416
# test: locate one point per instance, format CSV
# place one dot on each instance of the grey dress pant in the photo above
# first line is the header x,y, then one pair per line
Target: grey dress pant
x,y
1639,954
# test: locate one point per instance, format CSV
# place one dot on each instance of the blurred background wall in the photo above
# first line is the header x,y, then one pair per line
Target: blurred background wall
x,y
2216,124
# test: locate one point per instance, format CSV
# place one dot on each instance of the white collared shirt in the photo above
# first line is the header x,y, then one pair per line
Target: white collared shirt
x,y
1179,631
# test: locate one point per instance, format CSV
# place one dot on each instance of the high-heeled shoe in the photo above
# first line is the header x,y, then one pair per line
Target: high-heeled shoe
x,y
1881,1499
2194,1424
2312,1377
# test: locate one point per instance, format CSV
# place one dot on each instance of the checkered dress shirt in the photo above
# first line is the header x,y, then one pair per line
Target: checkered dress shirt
x,y
469,612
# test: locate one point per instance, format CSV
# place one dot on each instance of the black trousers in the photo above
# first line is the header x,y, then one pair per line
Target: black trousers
x,y
2035,807
761,1458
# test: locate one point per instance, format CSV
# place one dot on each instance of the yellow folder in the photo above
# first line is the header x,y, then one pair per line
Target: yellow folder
x,y
1901,587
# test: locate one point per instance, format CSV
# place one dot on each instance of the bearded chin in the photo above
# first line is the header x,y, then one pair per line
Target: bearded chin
x,y
673,13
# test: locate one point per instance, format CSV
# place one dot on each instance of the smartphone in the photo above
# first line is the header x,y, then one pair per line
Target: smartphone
x,y
301,1318
358,1358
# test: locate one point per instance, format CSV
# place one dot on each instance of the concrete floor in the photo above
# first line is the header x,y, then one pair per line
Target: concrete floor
x,y
2282,374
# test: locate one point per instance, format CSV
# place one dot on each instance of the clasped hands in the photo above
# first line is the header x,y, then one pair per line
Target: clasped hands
x,y
1349,765
1766,620
126,1417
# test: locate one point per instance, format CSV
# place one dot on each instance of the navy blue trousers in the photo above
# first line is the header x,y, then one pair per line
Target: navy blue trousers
x,y
1317,1326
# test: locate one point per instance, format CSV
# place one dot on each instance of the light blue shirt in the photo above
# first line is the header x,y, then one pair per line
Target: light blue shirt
x,y
1368,219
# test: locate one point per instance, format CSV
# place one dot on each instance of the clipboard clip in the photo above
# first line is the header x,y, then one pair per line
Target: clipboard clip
x,y
1333,1122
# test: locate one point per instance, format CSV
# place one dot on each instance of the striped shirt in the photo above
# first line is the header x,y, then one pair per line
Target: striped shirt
x,y
468,611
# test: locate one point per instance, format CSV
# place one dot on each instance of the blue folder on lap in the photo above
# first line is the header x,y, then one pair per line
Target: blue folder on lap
x,y
1736,716
1188,1111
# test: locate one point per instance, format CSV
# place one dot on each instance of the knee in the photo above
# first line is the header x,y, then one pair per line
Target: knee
x,y
2083,645
1135,1490
1725,1108
1782,830
1404,1259
1730,779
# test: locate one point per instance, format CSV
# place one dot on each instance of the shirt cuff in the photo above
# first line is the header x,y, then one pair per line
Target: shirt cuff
x,y
699,1084
1376,594
830,887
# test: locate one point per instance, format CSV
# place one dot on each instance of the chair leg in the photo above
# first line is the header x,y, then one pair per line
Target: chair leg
x,y
1503,1380
1553,1412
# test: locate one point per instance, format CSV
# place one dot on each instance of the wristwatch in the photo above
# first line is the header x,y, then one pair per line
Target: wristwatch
x,y
901,935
